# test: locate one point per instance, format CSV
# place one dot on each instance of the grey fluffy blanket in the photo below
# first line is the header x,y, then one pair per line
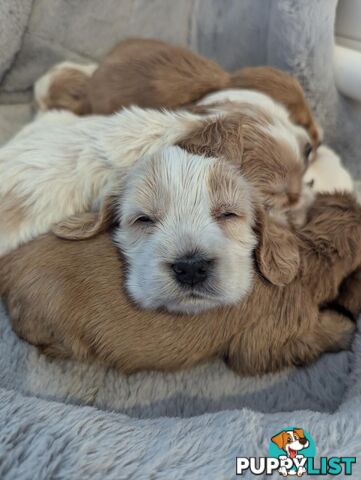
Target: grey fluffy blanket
x,y
66,420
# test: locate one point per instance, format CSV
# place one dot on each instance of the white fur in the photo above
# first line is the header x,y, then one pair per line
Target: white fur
x,y
62,164
244,96
42,85
177,195
327,173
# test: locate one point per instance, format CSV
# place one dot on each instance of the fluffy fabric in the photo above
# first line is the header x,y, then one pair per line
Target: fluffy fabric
x,y
191,424
14,16
186,425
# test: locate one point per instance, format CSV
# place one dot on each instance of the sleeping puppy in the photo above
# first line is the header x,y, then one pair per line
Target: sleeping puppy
x,y
186,256
84,160
145,72
151,73
187,231
61,165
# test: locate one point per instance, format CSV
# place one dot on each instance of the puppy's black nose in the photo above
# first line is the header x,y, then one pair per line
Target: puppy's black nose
x,y
303,440
191,270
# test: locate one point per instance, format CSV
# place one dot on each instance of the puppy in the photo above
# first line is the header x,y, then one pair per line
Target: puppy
x,y
81,311
151,73
186,230
62,165
269,140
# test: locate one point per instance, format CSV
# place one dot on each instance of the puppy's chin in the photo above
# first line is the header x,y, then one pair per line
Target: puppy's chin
x,y
188,304
191,305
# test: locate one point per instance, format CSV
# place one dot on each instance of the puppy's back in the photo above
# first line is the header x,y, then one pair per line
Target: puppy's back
x,y
151,73
51,286
67,298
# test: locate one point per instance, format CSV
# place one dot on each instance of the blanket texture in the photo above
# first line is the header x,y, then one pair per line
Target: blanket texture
x,y
66,420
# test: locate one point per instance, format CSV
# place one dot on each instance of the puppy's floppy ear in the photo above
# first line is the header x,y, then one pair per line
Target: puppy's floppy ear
x,y
280,440
217,137
277,253
88,224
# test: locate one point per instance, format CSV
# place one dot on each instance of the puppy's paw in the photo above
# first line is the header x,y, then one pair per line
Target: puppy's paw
x,y
338,329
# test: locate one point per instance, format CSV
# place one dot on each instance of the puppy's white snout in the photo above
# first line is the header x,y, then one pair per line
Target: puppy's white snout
x,y
192,270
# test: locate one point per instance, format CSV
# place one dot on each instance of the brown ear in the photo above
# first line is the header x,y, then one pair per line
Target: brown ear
x,y
217,137
300,432
280,440
88,224
277,253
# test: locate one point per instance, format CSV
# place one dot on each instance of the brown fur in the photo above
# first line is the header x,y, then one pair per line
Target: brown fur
x,y
67,298
69,91
266,163
283,88
151,73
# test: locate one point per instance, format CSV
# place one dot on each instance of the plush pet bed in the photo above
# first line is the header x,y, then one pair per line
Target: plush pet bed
x,y
66,420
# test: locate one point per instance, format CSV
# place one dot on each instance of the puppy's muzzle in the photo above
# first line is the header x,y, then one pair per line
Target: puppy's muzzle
x,y
192,270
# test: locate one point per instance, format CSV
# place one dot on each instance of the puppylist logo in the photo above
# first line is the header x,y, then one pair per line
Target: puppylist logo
x,y
292,452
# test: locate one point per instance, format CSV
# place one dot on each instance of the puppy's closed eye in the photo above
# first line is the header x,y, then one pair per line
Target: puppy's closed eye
x,y
143,221
227,215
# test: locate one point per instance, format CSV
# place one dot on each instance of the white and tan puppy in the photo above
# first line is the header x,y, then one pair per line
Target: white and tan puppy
x,y
238,98
186,230
61,165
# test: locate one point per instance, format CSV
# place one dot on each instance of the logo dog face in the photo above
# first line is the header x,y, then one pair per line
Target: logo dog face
x,y
291,441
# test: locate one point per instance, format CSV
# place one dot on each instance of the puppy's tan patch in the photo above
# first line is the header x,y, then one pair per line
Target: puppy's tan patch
x,y
282,87
267,162
69,91
151,73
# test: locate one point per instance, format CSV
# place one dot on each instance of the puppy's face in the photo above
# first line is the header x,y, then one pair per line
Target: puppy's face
x,y
186,232
256,135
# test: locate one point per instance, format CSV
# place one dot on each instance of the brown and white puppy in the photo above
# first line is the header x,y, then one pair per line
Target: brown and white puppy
x,y
256,135
75,308
187,232
84,159
152,73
